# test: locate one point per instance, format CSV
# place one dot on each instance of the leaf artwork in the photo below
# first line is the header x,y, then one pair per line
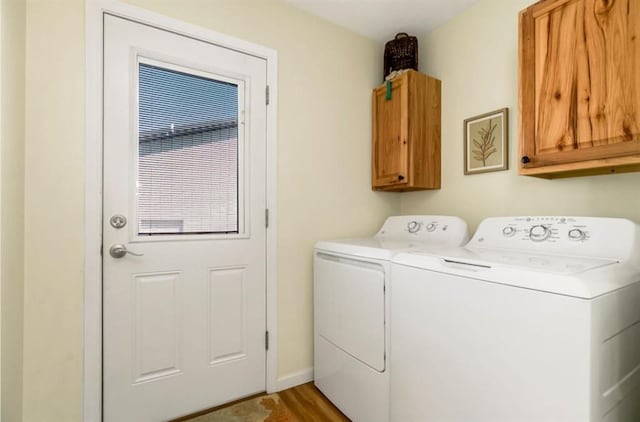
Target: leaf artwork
x,y
484,149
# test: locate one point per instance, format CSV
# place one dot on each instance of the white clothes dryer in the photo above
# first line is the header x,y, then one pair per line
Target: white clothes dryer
x,y
536,319
351,309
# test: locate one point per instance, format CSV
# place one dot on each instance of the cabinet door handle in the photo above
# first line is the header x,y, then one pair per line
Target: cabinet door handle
x,y
525,160
400,177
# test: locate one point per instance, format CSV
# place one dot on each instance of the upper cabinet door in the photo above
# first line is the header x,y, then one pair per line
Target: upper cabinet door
x,y
390,133
406,134
580,87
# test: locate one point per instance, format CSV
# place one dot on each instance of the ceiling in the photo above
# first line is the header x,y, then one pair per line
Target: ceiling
x,y
382,19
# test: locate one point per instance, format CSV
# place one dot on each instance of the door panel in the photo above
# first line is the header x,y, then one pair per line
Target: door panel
x,y
227,314
157,327
184,163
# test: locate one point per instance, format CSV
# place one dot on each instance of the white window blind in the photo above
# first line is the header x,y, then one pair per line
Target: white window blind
x,y
187,153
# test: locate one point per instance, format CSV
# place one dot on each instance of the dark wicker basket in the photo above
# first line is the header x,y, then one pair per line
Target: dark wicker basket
x,y
401,53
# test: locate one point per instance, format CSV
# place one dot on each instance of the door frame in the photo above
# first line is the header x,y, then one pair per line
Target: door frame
x,y
92,307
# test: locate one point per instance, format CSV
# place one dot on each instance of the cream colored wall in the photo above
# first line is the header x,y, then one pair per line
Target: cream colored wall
x,y
12,200
476,57
325,78
54,210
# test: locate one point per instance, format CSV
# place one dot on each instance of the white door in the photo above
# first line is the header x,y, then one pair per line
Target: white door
x,y
184,187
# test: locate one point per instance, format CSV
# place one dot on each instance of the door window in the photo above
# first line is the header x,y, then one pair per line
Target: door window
x,y
189,138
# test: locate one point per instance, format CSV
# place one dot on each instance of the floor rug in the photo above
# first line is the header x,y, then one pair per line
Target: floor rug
x,y
267,408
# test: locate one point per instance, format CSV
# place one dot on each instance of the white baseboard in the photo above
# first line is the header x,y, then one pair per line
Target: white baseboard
x,y
294,379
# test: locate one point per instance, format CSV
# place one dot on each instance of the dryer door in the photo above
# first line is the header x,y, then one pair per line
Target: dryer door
x,y
349,306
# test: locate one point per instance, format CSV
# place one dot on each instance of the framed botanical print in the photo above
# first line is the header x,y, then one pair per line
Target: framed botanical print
x,y
486,142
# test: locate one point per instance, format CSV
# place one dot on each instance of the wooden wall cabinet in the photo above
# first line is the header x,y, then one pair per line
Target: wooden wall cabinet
x,y
406,134
579,93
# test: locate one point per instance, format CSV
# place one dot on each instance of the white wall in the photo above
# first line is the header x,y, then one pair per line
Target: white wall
x,y
476,57
12,200
324,135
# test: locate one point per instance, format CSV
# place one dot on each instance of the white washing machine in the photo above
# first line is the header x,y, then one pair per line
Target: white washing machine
x,y
536,319
351,338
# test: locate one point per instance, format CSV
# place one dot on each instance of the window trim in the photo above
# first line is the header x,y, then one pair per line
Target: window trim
x,y
243,203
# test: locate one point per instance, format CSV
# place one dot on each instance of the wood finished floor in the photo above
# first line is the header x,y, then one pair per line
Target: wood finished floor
x,y
305,401
309,404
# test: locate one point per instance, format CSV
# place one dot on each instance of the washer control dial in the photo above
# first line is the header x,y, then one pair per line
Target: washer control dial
x,y
576,234
413,227
509,231
539,233
431,227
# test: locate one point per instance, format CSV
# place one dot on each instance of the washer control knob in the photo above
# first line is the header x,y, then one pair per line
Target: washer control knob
x,y
538,233
413,227
431,227
509,231
576,234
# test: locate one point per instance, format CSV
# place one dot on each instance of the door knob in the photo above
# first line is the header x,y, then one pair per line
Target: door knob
x,y
119,250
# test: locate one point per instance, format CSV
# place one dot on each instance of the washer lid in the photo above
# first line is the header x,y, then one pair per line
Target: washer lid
x,y
561,265
566,275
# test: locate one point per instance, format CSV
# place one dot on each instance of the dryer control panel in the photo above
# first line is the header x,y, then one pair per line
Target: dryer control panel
x,y
441,229
585,236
